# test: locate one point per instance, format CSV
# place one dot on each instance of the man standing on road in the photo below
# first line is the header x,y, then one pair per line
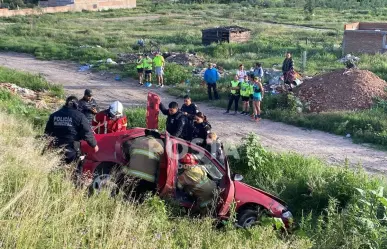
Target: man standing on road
x,y
88,106
211,76
159,64
176,121
148,70
140,69
190,110
68,126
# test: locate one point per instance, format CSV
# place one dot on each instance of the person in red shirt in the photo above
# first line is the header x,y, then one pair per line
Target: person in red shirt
x,y
110,120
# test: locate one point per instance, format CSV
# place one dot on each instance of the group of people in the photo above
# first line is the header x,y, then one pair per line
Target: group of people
x,y
80,120
144,66
192,125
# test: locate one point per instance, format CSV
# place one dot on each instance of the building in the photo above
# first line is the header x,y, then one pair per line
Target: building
x,y
362,37
225,34
56,6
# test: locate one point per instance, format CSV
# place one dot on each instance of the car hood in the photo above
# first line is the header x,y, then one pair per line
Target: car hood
x,y
241,186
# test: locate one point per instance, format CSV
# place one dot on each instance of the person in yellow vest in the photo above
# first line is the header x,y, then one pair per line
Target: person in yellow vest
x,y
234,94
159,64
148,69
140,69
194,181
144,155
245,91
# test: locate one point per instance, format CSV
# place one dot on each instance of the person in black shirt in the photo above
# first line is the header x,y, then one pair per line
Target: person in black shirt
x,y
201,129
88,106
288,70
189,109
67,127
176,121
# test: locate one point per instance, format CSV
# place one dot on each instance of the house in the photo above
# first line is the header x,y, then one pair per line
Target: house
x,y
225,34
364,37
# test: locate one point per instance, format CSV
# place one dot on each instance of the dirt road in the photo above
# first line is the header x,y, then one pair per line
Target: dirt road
x,y
274,136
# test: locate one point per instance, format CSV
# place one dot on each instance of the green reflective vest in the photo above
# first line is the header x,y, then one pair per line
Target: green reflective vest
x,y
148,64
245,89
235,84
140,63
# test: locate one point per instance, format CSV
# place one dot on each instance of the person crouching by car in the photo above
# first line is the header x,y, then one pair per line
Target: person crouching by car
x,y
214,146
195,181
144,155
201,129
110,120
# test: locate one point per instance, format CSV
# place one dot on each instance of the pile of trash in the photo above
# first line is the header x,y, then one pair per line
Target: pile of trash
x,y
346,89
184,59
40,100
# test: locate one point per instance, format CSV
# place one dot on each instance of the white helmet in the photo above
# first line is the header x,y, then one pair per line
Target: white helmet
x,y
116,109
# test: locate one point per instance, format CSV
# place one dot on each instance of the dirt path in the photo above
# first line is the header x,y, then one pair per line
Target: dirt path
x,y
275,136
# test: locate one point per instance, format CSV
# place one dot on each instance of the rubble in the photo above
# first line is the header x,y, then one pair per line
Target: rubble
x,y
344,89
41,100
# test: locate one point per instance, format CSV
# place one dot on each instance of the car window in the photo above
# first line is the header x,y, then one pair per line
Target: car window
x,y
204,160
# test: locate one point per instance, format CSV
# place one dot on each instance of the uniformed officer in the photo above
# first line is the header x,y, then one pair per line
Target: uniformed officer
x,y
190,110
176,121
68,126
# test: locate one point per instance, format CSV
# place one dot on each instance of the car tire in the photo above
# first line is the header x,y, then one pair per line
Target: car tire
x,y
249,217
103,179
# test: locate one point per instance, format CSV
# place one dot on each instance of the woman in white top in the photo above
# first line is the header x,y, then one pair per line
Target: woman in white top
x,y
241,73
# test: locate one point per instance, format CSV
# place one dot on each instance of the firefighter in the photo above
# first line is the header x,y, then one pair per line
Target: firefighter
x,y
110,120
194,181
176,122
67,127
144,154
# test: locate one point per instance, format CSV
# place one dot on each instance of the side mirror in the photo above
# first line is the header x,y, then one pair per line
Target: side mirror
x,y
237,177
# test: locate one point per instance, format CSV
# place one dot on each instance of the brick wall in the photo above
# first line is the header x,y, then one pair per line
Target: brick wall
x,y
351,26
372,26
78,5
362,42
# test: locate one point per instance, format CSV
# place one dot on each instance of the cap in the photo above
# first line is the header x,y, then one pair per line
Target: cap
x,y
88,93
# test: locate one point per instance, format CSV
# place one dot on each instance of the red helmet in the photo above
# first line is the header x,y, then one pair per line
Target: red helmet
x,y
188,159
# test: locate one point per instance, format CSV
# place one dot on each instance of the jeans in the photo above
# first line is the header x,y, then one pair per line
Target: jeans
x,y
233,98
213,86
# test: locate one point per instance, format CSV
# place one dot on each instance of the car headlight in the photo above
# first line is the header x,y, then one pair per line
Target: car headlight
x,y
287,215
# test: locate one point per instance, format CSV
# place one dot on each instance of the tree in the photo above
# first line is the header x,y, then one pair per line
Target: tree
x,y
309,6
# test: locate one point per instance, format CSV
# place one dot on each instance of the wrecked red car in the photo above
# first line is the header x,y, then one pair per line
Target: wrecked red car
x,y
251,202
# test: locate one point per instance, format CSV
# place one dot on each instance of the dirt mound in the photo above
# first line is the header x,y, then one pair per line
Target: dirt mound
x,y
341,90
185,59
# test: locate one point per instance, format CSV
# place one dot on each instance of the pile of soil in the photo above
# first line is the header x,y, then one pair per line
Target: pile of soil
x,y
185,59
352,89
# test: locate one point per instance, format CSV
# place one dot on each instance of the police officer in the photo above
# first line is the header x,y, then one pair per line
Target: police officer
x,y
190,110
176,121
68,126
88,106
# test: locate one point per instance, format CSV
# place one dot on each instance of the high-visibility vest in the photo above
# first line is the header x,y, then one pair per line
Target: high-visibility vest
x,y
148,64
158,60
235,84
245,89
140,63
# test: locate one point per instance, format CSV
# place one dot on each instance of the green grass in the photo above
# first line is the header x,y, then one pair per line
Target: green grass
x,y
30,81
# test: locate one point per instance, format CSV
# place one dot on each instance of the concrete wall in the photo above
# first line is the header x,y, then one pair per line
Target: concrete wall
x,y
357,41
78,5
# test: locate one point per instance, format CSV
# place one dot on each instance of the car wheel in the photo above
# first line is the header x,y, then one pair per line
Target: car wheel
x,y
249,217
104,180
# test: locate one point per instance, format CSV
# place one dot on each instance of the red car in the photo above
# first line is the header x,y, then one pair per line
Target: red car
x,y
251,202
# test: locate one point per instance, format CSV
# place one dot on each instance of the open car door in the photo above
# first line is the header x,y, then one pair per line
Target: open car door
x,y
168,168
227,192
152,111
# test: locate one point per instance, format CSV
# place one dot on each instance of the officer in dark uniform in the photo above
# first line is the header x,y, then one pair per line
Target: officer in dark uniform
x,y
88,106
176,121
68,126
190,110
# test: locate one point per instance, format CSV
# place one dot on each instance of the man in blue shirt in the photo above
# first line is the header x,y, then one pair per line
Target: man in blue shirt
x,y
211,76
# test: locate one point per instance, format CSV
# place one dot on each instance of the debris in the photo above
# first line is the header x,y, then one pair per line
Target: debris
x,y
344,89
349,61
85,68
110,61
117,78
186,59
348,136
